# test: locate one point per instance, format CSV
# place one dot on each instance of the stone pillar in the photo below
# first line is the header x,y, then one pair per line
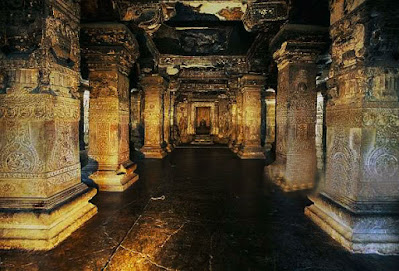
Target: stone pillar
x,y
135,119
233,134
251,119
320,132
153,86
110,51
173,123
295,165
42,198
239,121
359,203
168,113
270,101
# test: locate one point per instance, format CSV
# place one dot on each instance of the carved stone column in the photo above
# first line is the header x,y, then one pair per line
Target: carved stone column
x,y
233,134
110,50
251,119
359,203
168,113
135,119
172,118
239,126
270,101
295,165
154,87
42,199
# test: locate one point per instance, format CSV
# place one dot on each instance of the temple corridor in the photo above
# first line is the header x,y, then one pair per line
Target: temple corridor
x,y
199,209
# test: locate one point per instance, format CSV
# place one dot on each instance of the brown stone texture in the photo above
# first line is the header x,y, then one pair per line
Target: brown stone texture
x,y
251,118
42,199
358,203
154,87
109,66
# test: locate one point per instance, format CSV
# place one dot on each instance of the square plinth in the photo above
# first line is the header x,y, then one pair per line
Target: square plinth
x,y
366,231
39,229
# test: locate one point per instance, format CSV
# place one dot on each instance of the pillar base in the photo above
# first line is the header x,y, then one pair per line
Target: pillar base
x,y
365,229
115,181
169,147
154,152
42,229
277,174
236,148
251,153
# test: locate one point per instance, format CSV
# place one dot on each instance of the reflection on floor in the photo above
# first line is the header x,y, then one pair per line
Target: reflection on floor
x,y
199,209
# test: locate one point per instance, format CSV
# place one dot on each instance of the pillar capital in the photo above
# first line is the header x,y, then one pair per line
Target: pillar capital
x,y
298,44
109,46
153,82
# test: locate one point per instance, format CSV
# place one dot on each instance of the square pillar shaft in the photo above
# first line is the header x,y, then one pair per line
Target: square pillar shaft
x,y
109,60
42,199
153,86
251,120
239,125
270,101
295,165
359,202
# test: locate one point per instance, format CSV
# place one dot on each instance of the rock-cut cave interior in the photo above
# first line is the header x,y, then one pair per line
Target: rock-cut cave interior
x,y
199,135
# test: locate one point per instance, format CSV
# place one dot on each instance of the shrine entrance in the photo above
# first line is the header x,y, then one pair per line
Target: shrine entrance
x,y
203,121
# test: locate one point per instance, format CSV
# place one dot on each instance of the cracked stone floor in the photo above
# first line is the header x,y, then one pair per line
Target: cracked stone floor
x,y
199,209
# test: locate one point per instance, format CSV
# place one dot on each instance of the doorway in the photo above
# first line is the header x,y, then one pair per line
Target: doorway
x,y
203,121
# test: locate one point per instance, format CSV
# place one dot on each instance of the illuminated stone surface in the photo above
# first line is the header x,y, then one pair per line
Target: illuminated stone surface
x,y
270,101
154,87
109,66
251,119
42,200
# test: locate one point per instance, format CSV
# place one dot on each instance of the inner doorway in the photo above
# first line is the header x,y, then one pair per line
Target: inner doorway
x,y
203,121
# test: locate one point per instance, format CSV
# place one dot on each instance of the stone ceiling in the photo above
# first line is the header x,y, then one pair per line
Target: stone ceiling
x,y
207,27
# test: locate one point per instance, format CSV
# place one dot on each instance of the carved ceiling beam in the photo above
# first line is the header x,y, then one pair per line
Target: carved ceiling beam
x,y
230,64
108,45
148,16
259,15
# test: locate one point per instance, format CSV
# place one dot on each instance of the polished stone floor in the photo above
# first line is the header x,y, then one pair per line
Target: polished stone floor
x,y
199,209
